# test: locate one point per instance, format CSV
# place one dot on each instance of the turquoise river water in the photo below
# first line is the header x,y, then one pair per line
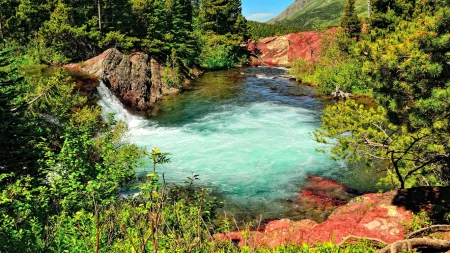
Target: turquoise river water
x,y
246,133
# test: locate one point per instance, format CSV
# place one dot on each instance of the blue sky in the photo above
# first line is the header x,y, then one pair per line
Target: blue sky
x,y
263,10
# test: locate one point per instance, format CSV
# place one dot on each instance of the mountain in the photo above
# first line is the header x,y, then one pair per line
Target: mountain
x,y
311,13
289,11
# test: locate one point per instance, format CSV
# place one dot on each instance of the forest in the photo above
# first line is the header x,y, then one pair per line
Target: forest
x,y
204,32
62,165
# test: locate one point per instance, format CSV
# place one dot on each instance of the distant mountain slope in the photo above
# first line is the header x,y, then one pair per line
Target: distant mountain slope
x,y
310,13
289,11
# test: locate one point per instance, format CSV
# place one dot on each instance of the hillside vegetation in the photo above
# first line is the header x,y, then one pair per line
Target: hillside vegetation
x,y
263,30
317,13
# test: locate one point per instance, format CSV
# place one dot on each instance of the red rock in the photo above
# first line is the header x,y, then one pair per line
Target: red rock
x,y
284,50
325,192
370,215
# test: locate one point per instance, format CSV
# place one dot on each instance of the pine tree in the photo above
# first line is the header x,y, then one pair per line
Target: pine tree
x,y
18,137
387,14
222,17
350,21
178,32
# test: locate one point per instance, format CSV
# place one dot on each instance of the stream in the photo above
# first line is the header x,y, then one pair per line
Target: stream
x,y
246,133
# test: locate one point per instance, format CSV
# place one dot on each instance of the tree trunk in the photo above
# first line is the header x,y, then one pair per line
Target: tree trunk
x,y
99,15
397,171
1,32
368,8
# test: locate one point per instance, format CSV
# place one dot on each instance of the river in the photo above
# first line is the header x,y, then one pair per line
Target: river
x,y
246,133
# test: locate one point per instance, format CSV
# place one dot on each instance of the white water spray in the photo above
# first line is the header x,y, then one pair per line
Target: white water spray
x,y
111,104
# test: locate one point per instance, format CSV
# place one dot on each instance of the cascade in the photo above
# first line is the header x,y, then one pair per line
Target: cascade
x,y
111,104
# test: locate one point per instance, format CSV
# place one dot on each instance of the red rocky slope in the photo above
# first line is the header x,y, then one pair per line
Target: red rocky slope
x,y
283,50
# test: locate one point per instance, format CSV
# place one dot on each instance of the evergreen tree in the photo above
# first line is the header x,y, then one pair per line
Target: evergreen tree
x,y
21,19
179,30
18,135
386,14
62,40
350,21
221,28
222,17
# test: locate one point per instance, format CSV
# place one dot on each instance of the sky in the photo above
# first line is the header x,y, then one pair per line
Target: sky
x,y
263,10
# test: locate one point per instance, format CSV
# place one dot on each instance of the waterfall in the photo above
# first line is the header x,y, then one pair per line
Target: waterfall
x,y
111,104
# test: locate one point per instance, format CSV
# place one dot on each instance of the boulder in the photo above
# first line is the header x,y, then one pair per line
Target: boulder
x,y
135,78
319,197
326,192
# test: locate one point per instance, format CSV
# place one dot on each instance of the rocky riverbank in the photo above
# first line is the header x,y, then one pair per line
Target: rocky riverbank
x,y
377,216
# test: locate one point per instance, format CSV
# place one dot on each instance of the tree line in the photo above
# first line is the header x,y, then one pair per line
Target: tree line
x,y
203,32
262,30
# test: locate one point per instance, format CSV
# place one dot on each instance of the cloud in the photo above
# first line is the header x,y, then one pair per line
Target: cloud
x,y
263,16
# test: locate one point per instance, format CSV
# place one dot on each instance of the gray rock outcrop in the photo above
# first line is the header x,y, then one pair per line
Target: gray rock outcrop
x,y
134,78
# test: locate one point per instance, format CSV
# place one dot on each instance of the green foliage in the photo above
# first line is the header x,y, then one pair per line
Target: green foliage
x,y
358,134
69,30
262,30
61,38
219,51
159,219
20,19
86,159
408,73
386,14
335,67
411,66
89,166
345,74
18,134
221,29
222,17
118,40
172,73
419,220
361,246
23,207
158,157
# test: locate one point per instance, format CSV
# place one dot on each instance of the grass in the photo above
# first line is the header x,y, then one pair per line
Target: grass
x,y
323,13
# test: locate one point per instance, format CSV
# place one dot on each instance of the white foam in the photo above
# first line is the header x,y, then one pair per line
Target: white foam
x,y
111,104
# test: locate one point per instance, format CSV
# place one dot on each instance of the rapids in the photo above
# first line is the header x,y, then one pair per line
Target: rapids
x,y
244,131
